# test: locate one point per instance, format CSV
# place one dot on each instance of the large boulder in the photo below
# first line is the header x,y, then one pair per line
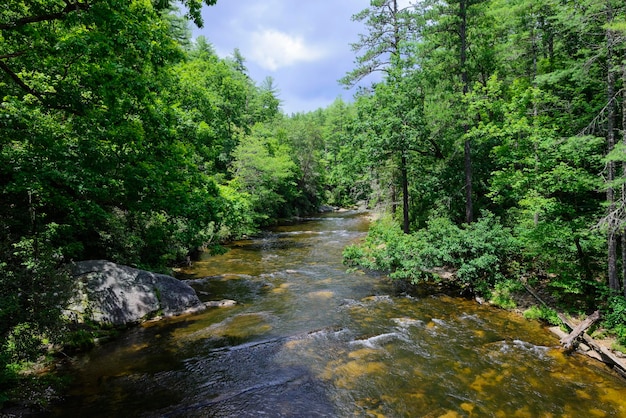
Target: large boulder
x,y
112,294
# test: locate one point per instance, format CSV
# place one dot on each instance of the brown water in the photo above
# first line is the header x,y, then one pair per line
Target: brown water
x,y
310,339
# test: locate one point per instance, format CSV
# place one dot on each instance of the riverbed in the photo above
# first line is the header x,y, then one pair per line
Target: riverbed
x,y
310,338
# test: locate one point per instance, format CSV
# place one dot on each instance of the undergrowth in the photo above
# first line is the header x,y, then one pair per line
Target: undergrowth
x,y
478,253
486,258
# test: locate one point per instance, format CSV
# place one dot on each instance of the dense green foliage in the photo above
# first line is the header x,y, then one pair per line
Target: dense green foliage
x,y
478,253
498,127
513,110
118,137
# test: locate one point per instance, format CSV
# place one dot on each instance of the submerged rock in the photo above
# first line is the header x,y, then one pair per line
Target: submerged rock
x,y
111,294
220,303
326,209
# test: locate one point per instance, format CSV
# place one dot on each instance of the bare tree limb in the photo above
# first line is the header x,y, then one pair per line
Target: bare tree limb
x,y
600,118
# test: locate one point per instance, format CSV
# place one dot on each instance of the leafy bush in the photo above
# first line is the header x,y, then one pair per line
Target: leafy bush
x,y
502,293
615,317
388,249
479,252
32,293
543,313
353,255
79,339
571,253
236,214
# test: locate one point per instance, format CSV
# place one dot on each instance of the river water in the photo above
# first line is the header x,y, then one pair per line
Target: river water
x,y
308,338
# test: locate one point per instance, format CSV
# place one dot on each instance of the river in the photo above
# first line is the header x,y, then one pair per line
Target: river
x,y
309,338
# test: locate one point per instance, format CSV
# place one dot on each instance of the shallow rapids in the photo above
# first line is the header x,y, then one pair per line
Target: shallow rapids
x,y
308,338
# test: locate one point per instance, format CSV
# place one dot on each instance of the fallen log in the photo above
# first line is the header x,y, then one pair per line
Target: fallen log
x,y
535,295
596,351
606,356
569,342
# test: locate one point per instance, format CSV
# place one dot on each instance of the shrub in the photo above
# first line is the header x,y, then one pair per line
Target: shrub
x,y
615,317
33,291
502,293
479,252
543,313
388,249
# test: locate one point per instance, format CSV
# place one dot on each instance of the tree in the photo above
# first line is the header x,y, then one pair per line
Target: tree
x,y
263,168
345,158
517,81
193,7
613,228
393,120
266,104
385,45
469,207
94,161
213,95
622,26
455,53
239,61
606,43
304,133
615,35
35,31
385,48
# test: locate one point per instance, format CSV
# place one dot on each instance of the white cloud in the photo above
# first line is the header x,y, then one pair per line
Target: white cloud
x,y
297,103
272,49
403,4
304,46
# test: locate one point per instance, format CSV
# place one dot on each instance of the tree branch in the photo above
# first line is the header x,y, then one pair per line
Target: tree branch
x,y
69,8
40,96
4,67
12,55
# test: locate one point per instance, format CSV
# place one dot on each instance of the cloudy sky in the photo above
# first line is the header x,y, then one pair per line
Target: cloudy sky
x,y
303,45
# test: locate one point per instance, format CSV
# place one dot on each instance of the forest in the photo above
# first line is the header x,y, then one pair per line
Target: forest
x,y
493,145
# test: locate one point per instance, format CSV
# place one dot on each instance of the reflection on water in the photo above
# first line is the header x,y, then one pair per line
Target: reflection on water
x,y
309,338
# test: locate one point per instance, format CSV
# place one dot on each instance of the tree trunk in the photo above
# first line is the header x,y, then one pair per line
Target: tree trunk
x,y
623,236
405,194
469,209
582,257
612,260
394,198
610,177
623,202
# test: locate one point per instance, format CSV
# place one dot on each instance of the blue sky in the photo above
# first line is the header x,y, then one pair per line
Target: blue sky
x,y
303,45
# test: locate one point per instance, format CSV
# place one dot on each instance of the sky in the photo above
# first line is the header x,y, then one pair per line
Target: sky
x,y
303,45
